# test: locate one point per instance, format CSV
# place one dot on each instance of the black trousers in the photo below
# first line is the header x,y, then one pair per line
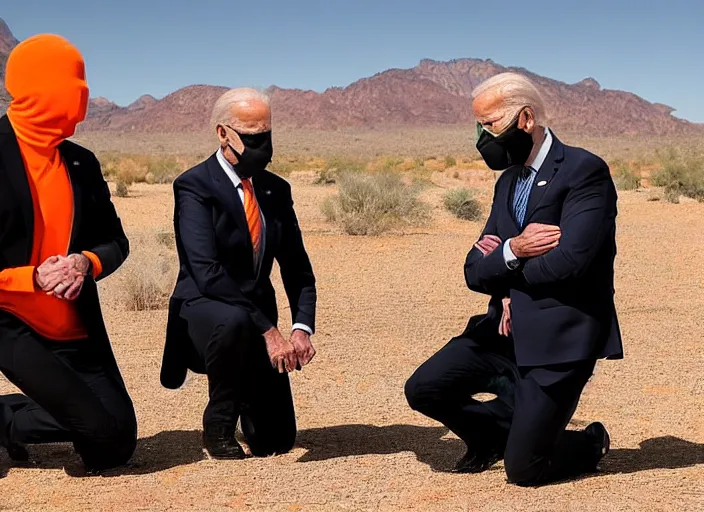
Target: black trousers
x,y
241,381
70,395
526,421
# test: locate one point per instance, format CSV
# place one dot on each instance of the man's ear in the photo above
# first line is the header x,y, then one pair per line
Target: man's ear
x,y
527,120
222,133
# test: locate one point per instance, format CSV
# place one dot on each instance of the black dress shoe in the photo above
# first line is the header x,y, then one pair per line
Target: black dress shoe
x,y
599,438
221,444
17,452
474,462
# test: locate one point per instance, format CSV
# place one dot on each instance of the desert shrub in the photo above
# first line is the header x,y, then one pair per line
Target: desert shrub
x,y
121,189
326,177
343,165
450,161
129,170
370,204
148,275
680,175
625,178
108,163
162,169
462,204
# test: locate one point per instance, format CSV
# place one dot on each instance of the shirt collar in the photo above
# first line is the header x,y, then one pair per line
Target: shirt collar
x,y
542,154
227,167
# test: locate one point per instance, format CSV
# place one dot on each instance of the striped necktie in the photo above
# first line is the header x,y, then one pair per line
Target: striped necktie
x,y
522,193
254,219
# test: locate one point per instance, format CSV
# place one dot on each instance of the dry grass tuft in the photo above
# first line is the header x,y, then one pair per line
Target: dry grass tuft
x,y
462,204
122,189
626,177
370,204
680,174
149,274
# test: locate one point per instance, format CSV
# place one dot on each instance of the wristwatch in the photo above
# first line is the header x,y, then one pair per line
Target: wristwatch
x,y
513,264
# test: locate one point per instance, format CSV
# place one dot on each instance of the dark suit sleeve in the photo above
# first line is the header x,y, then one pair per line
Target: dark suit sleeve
x,y
195,233
588,216
112,246
296,270
488,274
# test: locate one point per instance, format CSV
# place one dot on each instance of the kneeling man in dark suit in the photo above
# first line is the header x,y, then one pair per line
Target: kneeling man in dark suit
x,y
546,259
232,219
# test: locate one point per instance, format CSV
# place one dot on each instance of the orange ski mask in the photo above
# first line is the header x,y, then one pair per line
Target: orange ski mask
x,y
45,76
47,81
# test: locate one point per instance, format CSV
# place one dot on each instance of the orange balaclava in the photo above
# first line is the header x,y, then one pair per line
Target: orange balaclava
x,y
46,78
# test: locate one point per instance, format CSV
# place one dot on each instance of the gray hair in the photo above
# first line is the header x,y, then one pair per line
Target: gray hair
x,y
517,92
222,110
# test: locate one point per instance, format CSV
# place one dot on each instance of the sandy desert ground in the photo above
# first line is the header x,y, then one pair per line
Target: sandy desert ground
x,y
385,305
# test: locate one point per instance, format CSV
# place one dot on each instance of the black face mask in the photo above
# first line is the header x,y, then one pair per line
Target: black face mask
x,y
512,147
258,151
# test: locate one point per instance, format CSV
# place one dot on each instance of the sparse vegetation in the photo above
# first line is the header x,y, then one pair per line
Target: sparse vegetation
x,y
680,174
121,189
625,177
149,273
450,161
326,177
370,204
462,204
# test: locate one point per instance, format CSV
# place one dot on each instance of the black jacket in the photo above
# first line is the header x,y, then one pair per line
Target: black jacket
x,y
562,303
216,258
96,226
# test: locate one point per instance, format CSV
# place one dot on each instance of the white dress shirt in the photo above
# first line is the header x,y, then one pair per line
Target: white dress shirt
x,y
237,182
536,164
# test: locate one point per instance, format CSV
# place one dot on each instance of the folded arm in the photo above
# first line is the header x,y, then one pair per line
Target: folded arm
x,y
588,216
488,274
195,234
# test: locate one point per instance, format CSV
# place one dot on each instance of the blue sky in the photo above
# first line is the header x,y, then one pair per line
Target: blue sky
x,y
154,46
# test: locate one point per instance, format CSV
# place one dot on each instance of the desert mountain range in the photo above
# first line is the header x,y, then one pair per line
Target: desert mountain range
x,y
432,93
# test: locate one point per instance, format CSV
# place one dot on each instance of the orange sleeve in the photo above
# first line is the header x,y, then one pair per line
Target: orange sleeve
x,y
18,279
97,265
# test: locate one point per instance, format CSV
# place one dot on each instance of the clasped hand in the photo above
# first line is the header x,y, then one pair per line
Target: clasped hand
x,y
288,355
62,276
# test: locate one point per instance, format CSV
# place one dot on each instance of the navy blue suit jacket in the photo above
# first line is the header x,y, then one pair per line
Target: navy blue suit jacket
x,y
562,303
216,257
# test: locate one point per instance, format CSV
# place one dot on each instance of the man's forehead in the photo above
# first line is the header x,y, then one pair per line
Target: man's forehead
x,y
488,105
250,111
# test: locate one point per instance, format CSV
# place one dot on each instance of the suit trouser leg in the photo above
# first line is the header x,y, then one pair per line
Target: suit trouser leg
x,y
242,383
222,336
268,417
69,395
443,388
539,449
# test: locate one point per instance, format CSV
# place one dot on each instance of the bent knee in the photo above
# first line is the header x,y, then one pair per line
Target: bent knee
x,y
418,391
524,473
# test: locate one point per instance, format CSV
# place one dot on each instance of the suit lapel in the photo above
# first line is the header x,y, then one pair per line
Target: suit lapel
x,y
228,195
74,169
545,176
12,165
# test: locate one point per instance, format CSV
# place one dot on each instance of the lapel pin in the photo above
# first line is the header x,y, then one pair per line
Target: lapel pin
x,y
76,162
267,192
542,183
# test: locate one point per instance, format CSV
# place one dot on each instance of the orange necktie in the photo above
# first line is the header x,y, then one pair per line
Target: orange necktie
x,y
254,218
